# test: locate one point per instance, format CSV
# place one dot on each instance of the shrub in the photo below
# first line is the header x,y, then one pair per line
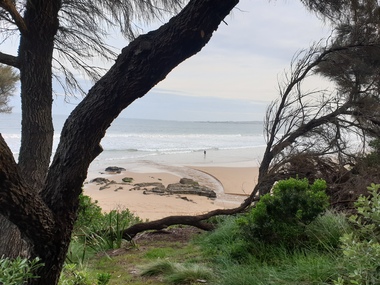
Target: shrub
x,y
95,231
361,248
89,213
101,230
280,217
71,275
106,233
18,270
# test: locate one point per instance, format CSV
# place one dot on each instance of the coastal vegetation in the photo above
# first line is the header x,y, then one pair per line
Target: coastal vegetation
x,y
324,246
289,236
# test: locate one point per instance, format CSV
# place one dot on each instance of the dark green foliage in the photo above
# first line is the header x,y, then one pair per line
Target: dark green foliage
x,y
95,231
227,240
281,217
372,159
18,270
88,213
360,261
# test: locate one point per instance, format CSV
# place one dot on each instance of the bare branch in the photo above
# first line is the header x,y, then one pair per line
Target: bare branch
x,y
9,60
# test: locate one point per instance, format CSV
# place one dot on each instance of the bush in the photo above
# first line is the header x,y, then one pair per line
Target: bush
x,y
18,270
95,231
71,275
102,230
361,248
281,217
89,213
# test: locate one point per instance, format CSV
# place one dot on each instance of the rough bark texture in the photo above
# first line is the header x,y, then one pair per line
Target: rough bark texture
x,y
38,28
45,218
35,57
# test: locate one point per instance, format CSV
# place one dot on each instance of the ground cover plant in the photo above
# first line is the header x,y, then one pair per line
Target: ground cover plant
x,y
18,270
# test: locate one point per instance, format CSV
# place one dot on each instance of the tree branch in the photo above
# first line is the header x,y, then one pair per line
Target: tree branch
x,y
9,60
22,207
196,221
140,66
10,7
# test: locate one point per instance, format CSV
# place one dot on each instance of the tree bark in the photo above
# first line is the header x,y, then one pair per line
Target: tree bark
x,y
35,58
38,28
140,66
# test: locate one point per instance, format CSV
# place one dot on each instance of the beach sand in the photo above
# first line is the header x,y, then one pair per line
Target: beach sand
x,y
232,185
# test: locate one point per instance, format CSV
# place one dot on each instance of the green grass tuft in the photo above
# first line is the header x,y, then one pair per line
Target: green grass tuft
x,y
158,268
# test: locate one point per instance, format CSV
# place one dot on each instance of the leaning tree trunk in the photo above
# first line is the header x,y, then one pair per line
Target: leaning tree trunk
x,y
34,62
46,219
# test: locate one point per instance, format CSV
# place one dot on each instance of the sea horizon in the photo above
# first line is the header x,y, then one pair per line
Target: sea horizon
x,y
162,141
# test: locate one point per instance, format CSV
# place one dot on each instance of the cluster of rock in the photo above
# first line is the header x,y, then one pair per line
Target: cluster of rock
x,y
185,186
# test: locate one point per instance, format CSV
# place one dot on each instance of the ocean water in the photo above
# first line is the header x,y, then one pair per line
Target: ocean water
x,y
162,142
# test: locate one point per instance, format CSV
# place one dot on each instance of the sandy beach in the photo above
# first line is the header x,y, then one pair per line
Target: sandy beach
x,y
231,184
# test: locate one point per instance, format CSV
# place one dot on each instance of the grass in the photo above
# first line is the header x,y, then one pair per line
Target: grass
x,y
126,265
294,268
178,273
220,258
224,256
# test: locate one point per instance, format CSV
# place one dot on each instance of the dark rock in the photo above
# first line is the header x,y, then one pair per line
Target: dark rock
x,y
188,181
99,180
114,169
190,188
185,186
150,188
127,179
148,184
159,189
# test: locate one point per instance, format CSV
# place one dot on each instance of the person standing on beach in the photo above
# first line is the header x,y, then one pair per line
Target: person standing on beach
x,y
204,154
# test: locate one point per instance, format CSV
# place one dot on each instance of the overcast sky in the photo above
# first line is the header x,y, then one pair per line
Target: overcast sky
x,y
235,76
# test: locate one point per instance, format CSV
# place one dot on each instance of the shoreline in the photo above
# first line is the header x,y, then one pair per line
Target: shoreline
x,y
232,185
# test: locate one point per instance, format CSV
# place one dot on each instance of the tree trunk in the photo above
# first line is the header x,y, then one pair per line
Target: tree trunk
x,y
35,57
35,64
141,65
